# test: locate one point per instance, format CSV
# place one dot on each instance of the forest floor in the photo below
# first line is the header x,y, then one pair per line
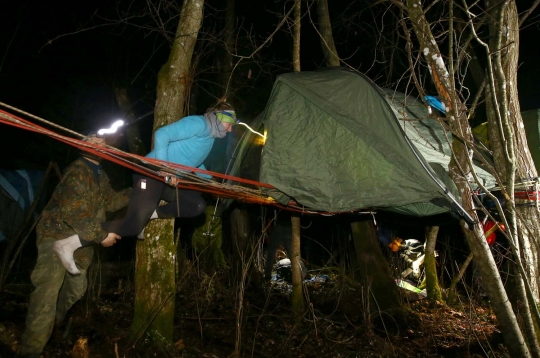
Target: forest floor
x,y
335,324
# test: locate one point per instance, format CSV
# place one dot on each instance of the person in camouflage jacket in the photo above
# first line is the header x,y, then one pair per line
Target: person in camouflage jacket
x,y
76,209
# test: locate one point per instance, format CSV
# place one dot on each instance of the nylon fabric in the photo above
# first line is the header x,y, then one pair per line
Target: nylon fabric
x,y
430,139
328,167
531,120
335,144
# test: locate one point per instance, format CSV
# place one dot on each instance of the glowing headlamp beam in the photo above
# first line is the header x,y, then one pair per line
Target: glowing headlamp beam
x,y
253,131
112,129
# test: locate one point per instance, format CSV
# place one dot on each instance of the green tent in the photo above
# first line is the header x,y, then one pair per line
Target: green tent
x,y
531,120
336,142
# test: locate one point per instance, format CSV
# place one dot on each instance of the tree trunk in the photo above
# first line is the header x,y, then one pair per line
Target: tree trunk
x,y
297,298
327,39
513,160
241,241
242,264
374,271
432,282
133,134
155,284
174,78
499,300
505,98
452,292
227,58
155,268
296,36
459,171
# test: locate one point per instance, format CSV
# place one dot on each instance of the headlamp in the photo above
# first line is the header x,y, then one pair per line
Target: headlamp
x,y
112,129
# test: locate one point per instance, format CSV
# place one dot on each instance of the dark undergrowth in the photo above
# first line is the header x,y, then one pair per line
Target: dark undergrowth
x,y
335,325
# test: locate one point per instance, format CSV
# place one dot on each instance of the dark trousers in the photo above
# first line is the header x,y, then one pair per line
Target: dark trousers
x,y
145,198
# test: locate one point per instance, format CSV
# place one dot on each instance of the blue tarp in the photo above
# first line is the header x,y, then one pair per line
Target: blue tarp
x,y
18,189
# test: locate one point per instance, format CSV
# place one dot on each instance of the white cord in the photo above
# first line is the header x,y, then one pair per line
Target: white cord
x,y
248,127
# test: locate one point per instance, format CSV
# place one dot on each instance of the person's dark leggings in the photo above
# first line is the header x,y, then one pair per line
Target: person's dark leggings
x,y
145,198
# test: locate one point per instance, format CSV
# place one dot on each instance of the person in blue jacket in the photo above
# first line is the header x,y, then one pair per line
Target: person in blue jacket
x,y
187,142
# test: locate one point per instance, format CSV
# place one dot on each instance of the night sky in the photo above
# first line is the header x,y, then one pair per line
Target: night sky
x,y
62,60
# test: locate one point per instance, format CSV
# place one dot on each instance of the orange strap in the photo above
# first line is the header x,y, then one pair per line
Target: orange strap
x,y
249,192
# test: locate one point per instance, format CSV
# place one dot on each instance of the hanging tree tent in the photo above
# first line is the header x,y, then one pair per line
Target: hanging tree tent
x,y
336,142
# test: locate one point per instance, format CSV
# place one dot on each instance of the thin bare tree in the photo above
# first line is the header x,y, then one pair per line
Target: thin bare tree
x,y
325,32
297,297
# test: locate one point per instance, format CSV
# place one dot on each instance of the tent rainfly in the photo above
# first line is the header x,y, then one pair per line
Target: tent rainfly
x,y
17,191
336,143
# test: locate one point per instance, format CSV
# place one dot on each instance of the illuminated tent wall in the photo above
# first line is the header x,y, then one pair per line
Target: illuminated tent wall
x,y
531,119
336,142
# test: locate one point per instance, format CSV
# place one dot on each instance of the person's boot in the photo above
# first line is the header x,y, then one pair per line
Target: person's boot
x,y
65,249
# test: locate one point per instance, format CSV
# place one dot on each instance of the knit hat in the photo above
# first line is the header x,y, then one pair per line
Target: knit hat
x,y
227,116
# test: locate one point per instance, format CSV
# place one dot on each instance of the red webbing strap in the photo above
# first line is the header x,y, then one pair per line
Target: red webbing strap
x,y
526,195
120,157
127,160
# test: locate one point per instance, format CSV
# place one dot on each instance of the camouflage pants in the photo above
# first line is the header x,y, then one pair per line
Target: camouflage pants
x,y
54,294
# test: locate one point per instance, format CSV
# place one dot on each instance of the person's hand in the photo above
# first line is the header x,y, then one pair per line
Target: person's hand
x,y
110,240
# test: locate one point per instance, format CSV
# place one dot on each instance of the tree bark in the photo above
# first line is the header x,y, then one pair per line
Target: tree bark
x,y
174,78
156,255
297,298
512,158
133,134
432,282
505,96
296,36
155,284
374,270
227,58
325,30
452,293
242,264
241,241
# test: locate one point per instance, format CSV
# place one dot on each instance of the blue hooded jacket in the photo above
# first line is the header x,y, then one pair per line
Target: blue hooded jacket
x,y
187,142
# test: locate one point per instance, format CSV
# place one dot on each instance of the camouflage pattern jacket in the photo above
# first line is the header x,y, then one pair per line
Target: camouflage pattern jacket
x,y
78,205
